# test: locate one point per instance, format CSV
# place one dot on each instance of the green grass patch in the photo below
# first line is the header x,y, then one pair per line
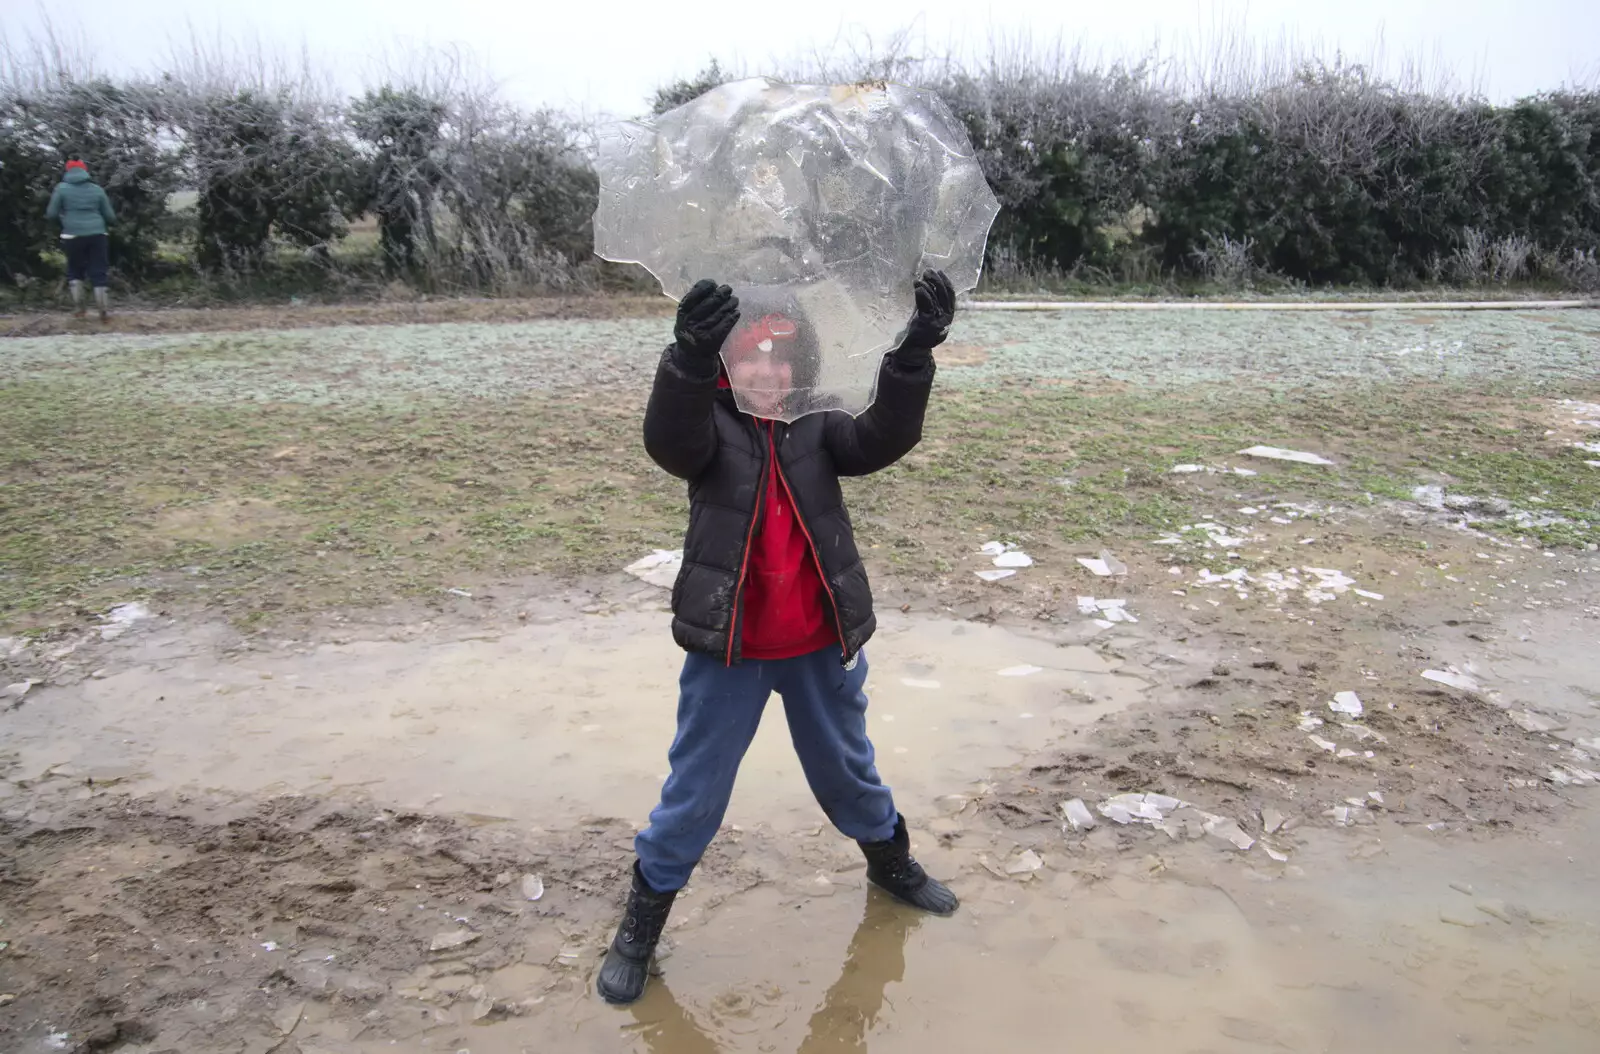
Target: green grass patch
x,y
268,510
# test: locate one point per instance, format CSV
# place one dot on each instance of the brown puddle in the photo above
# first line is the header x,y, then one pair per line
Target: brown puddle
x,y
551,723
1164,947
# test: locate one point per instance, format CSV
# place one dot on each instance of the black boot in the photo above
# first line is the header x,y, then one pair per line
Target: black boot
x,y
627,965
892,869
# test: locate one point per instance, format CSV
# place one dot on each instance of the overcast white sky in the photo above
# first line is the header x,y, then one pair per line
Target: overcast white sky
x,y
608,55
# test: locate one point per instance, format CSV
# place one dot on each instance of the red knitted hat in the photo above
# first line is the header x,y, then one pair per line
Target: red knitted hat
x,y
76,164
775,331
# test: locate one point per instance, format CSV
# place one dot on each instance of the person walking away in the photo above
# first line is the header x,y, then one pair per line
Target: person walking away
x,y
772,596
84,211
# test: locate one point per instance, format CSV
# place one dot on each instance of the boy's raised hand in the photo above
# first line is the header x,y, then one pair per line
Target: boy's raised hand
x,y
706,315
930,323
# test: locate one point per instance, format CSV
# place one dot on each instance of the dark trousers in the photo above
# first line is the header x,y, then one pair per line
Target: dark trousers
x,y
88,256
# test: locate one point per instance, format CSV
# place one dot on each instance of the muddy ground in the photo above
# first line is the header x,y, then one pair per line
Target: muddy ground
x,y
314,825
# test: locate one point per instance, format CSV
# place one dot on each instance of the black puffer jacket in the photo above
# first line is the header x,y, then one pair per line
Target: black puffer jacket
x,y
693,430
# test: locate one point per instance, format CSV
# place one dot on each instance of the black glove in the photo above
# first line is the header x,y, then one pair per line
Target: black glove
x,y
930,323
706,315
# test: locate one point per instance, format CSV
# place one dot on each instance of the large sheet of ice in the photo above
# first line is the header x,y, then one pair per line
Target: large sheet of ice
x,y
818,204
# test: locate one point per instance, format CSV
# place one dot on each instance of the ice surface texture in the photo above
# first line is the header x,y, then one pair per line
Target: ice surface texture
x,y
818,204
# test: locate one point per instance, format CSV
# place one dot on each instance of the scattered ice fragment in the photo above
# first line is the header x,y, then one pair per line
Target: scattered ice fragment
x,y
1249,510
1280,857
1309,721
1367,595
1128,808
1021,671
1346,752
1451,677
818,885
1115,566
58,1040
1376,796
1272,820
660,568
1096,566
1274,453
1013,559
992,548
18,690
912,682
991,867
1078,815
1284,521
532,887
120,618
269,946
1189,470
1104,623
1123,812
1325,744
459,593
1227,831
1219,536
1529,721
1115,610
1429,496
1572,776
451,939
1139,808
1346,703
994,576
1087,606
1362,732
1026,864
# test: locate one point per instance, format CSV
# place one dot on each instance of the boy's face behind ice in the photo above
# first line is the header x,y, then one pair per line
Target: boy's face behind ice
x,y
760,361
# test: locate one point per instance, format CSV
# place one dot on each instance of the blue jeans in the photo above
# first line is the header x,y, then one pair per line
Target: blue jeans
x,y
719,708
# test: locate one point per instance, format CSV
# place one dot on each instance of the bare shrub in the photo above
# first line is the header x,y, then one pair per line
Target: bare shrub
x,y
1480,259
1576,269
1228,262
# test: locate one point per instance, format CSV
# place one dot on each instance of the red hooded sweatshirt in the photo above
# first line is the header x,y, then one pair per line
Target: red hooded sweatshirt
x,y
785,603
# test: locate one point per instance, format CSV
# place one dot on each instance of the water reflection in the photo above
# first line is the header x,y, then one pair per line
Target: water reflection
x,y
849,1011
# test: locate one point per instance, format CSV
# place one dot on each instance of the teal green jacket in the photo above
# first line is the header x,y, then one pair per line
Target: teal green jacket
x,y
80,205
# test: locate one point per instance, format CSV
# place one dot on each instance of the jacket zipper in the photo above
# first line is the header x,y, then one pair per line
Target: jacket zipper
x,y
744,558
816,557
